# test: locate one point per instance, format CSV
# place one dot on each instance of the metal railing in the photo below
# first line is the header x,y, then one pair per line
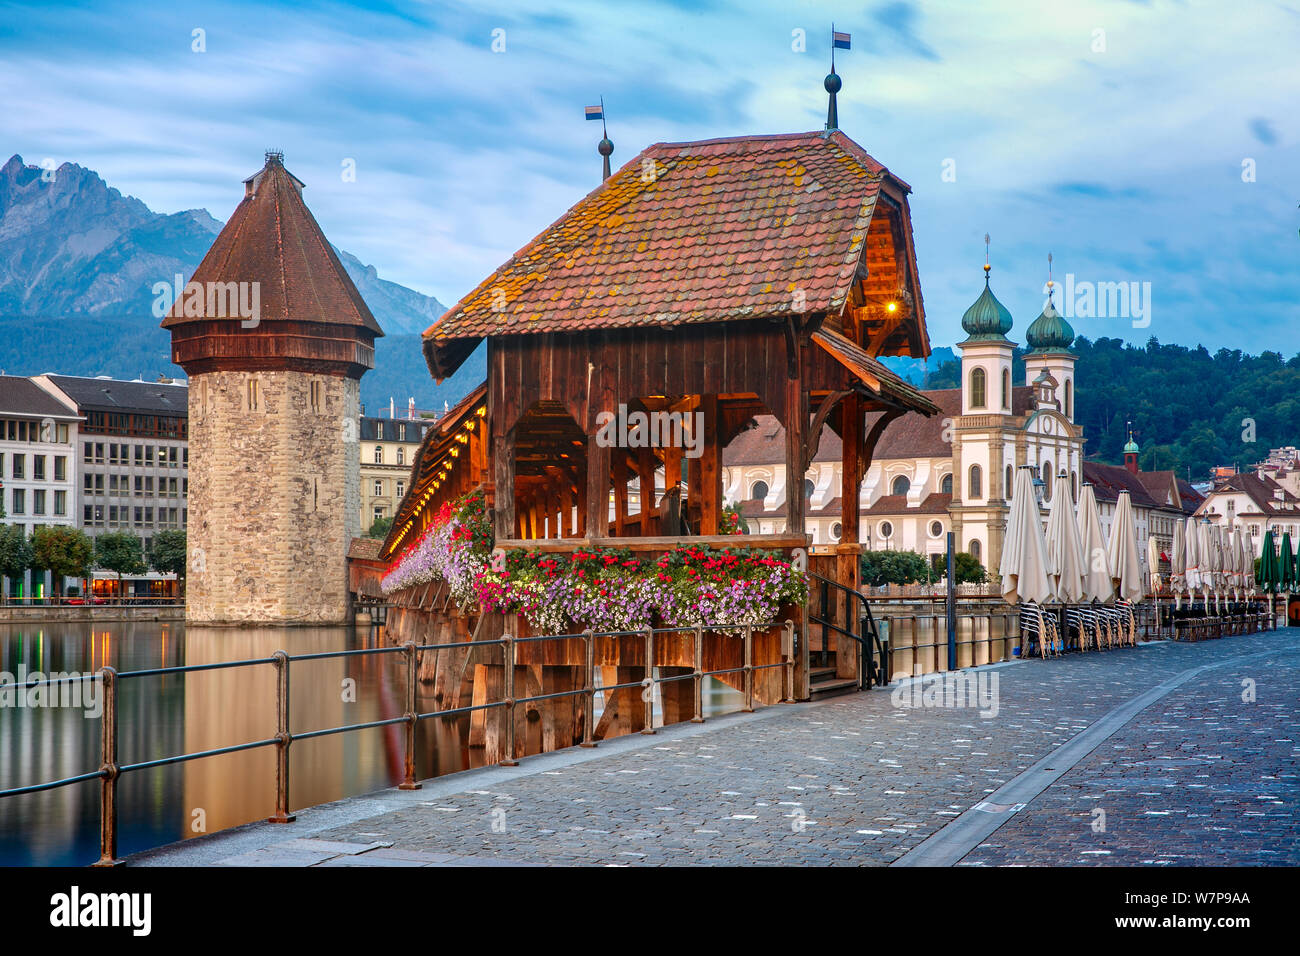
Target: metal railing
x,y
873,657
110,770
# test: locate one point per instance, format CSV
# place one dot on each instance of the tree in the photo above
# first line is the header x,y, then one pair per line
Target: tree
x,y
380,528
967,569
167,554
64,551
120,552
15,552
892,567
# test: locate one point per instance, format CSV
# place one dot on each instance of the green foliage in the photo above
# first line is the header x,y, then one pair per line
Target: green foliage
x,y
62,550
1188,406
120,552
167,554
733,522
967,569
15,551
892,567
380,528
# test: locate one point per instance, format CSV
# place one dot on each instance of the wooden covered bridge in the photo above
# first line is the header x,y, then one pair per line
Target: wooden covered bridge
x,y
700,285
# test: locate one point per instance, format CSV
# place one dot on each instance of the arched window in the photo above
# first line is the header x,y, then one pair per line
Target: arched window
x,y
379,454
977,388
1006,490
945,486
1047,481
975,483
1006,389
1074,486
1069,389
758,490
900,486
808,487
975,548
401,455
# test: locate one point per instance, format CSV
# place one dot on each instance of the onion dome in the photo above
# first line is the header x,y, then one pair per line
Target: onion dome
x,y
1130,447
1049,332
987,320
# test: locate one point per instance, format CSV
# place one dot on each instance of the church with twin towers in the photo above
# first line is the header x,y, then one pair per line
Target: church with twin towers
x,y
952,471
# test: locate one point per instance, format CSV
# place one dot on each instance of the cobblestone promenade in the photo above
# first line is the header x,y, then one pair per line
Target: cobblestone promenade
x,y
1206,774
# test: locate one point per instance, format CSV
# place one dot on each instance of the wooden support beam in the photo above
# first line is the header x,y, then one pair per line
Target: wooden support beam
x,y
620,493
646,466
503,481
710,467
796,432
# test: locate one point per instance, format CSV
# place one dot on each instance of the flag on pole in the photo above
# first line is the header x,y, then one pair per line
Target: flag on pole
x,y
840,41
595,112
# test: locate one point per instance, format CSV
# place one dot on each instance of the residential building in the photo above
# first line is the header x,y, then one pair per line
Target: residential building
x,y
133,460
1255,503
388,448
38,465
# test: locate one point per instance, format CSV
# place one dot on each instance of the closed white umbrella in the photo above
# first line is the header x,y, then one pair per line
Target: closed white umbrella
x,y
1153,564
1024,553
1064,549
1238,578
1209,557
1192,541
1098,586
1178,565
1123,552
1248,564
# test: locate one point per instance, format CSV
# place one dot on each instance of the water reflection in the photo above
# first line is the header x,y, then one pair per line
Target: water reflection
x,y
161,716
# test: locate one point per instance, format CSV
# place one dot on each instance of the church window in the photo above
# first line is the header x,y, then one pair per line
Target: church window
x,y
1006,389
759,490
975,483
945,487
901,485
977,388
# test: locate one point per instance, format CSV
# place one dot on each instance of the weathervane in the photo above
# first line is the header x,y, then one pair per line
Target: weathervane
x,y
605,147
839,41
1050,284
987,267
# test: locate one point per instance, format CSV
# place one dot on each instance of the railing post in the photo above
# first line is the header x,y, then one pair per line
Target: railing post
x,y
282,740
749,669
648,684
108,767
408,781
588,712
508,703
698,678
787,641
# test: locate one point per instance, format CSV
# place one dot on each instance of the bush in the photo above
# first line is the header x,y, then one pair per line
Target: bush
x,y
892,567
967,568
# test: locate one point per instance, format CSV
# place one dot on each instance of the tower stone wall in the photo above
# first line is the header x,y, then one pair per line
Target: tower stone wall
x,y
275,490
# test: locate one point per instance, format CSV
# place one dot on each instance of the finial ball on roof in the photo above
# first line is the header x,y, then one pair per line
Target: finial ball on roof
x,y
605,146
832,83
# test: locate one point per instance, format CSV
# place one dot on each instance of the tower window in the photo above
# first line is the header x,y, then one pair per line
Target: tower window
x,y
1006,489
975,483
1006,389
1069,404
978,387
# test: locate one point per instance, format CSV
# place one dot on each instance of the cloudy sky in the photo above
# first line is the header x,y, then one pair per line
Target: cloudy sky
x,y
1138,142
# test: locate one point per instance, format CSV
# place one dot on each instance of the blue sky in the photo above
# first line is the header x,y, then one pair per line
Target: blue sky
x,y
1121,152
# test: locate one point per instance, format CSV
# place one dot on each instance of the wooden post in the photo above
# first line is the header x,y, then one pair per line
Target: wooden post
x,y
646,465
848,554
503,482
710,467
620,492
597,517
796,443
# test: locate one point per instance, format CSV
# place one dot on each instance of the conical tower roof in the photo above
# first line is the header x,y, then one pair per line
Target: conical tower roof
x,y
309,312
273,239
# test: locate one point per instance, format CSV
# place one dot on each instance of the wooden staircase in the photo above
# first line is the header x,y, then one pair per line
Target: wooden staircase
x,y
823,683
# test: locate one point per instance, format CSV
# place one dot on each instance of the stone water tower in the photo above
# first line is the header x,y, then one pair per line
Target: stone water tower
x,y
274,338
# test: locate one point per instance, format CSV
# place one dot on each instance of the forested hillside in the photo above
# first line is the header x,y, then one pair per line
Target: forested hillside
x,y
1190,408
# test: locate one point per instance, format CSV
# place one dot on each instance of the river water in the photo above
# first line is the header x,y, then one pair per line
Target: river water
x,y
161,716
